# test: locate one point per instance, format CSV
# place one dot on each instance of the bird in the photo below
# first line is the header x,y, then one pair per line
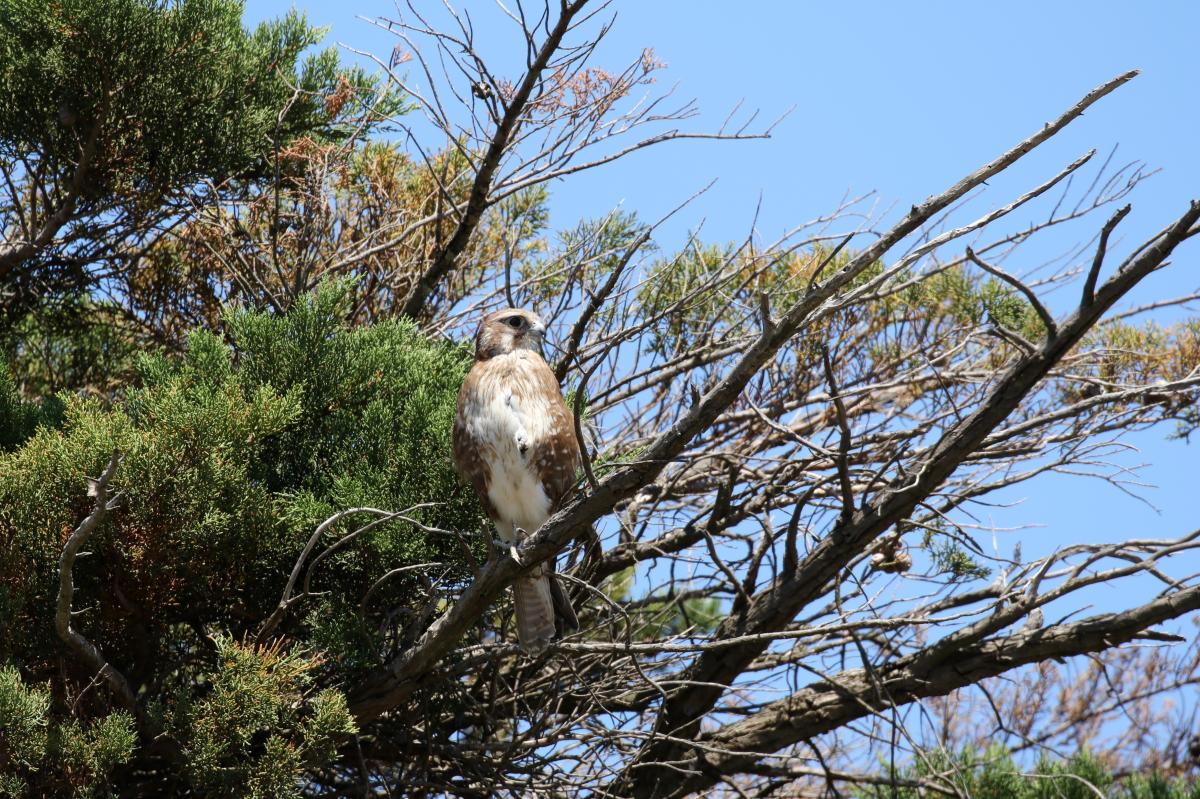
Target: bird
x,y
514,442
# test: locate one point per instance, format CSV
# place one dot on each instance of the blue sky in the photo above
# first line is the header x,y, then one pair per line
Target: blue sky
x,y
902,99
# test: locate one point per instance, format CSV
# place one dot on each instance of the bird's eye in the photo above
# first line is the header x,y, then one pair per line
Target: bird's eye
x,y
514,321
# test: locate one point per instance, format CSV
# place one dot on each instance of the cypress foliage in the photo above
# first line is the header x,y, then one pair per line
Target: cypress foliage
x,y
993,774
173,91
232,455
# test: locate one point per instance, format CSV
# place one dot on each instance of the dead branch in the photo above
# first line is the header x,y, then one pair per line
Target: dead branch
x,y
103,504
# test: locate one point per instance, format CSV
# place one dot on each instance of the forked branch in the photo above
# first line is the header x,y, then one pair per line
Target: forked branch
x,y
103,504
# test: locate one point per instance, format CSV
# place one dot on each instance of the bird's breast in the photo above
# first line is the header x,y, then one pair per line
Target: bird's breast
x,y
510,419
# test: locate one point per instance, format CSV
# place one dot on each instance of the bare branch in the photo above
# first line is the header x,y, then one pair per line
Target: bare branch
x,y
395,683
103,503
1043,314
490,162
1089,285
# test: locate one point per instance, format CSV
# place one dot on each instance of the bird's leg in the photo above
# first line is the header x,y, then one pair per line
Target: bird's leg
x,y
512,548
499,545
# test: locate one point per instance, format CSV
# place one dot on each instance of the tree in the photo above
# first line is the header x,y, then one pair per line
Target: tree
x,y
118,118
772,548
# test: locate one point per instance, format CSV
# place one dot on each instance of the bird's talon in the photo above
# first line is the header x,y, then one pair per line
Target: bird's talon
x,y
512,553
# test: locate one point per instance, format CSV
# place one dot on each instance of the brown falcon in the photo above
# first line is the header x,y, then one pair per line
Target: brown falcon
x,y
514,441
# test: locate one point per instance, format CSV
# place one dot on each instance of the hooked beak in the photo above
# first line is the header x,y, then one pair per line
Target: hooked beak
x,y
536,337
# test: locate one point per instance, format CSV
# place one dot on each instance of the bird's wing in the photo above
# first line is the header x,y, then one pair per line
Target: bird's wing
x,y
556,456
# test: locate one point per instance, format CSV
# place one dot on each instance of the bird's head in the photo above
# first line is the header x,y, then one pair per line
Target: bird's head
x,y
511,329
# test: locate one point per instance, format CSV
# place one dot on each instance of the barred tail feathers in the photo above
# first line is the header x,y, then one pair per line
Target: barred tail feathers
x,y
535,612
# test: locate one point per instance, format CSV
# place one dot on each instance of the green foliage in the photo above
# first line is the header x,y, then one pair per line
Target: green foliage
x,y
598,244
88,755
119,120
706,289
950,558
232,454
1157,786
970,298
521,218
662,617
23,734
165,92
372,402
230,465
677,288
68,755
993,774
1122,353
612,459
18,418
74,343
657,617
254,727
